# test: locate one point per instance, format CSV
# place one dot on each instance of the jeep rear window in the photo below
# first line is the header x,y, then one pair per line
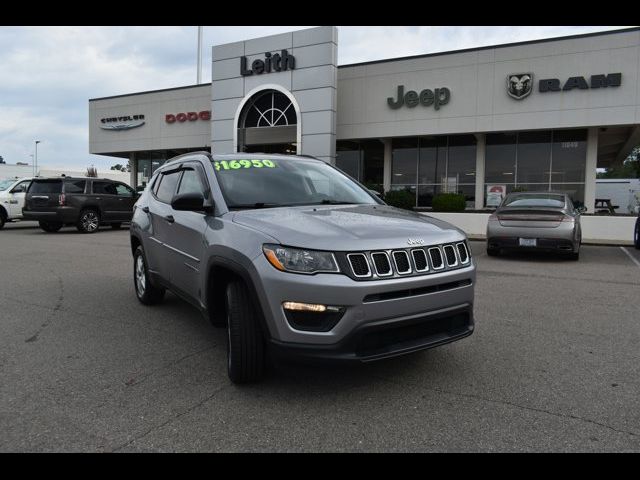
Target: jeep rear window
x,y
46,186
257,182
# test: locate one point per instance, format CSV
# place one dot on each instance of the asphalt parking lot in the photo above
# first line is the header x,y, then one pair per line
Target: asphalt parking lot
x,y
554,364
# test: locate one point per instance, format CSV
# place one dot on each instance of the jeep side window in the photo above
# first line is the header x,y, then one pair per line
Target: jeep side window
x,y
193,181
167,187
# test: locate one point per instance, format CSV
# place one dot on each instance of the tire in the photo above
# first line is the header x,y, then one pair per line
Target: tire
x,y
636,235
2,220
89,221
116,226
574,255
147,293
50,227
245,342
493,252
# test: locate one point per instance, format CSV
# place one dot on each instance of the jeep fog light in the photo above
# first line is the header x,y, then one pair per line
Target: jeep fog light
x,y
304,307
312,317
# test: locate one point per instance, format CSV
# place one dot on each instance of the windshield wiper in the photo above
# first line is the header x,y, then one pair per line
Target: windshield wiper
x,y
254,205
331,202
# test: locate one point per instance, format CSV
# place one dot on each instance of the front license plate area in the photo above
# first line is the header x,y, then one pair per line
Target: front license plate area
x,y
528,242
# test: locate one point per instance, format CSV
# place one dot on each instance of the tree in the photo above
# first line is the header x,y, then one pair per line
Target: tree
x,y
122,168
1,159
92,171
630,167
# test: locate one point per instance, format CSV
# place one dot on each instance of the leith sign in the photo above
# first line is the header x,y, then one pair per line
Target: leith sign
x,y
278,62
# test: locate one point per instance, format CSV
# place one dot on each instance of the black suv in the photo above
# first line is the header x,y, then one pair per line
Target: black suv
x,y
86,203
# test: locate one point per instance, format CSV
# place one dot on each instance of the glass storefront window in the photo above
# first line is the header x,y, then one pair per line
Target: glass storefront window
x,y
500,158
404,161
538,161
433,165
534,157
569,156
373,163
433,160
363,160
462,158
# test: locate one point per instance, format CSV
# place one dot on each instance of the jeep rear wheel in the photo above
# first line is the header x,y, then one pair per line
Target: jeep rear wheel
x,y
89,221
50,227
2,219
245,342
147,293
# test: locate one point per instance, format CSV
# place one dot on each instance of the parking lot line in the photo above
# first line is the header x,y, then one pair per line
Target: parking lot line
x,y
633,259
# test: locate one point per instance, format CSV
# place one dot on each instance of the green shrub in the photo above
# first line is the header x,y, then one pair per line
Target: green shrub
x,y
449,202
401,199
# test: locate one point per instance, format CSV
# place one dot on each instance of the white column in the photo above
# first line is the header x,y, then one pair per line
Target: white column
x,y
480,157
386,175
133,175
590,170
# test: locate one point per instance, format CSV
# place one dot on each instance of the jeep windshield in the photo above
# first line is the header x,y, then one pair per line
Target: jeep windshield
x,y
257,182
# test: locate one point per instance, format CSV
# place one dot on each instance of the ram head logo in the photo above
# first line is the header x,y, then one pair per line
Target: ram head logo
x,y
519,85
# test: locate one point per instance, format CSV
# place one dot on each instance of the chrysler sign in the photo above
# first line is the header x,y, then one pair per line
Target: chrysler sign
x,y
125,122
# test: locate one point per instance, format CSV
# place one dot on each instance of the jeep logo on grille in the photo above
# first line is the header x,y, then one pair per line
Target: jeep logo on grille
x,y
415,241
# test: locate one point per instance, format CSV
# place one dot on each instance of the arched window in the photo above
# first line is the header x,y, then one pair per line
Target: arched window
x,y
268,109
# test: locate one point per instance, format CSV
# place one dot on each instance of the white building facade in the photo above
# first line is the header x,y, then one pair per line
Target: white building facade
x,y
540,115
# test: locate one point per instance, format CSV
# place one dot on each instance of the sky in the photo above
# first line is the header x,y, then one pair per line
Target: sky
x,y
50,73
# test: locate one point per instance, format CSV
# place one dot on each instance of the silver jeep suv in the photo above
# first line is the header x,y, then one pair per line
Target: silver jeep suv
x,y
295,258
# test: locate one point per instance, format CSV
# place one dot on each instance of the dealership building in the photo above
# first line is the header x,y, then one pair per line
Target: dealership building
x,y
539,115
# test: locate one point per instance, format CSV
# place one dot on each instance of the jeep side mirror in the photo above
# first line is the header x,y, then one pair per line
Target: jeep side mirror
x,y
581,209
191,202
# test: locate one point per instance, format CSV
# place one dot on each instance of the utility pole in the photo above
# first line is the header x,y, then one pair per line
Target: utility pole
x,y
36,162
199,55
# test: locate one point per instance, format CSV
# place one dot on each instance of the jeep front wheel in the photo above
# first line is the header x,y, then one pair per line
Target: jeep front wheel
x,y
147,293
245,342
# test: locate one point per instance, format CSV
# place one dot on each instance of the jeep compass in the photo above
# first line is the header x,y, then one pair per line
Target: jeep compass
x,y
296,259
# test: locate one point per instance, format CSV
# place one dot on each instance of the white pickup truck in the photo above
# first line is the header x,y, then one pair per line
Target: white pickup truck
x,y
12,193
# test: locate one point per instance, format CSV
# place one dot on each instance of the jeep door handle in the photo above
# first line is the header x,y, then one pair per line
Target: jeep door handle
x,y
169,218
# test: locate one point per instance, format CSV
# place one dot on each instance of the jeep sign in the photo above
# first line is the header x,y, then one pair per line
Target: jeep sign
x,y
437,97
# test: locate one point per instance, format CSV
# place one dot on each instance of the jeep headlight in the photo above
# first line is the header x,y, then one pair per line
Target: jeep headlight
x,y
299,260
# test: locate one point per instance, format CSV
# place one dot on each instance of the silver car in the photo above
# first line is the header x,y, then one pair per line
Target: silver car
x,y
292,256
535,221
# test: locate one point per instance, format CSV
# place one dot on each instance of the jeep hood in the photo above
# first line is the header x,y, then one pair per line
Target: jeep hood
x,y
347,227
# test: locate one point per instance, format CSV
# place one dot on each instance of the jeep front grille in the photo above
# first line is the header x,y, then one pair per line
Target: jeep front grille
x,y
436,258
450,254
405,262
462,252
401,260
359,264
420,260
382,264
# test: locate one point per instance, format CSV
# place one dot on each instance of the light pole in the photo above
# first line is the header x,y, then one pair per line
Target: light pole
x,y
36,162
199,76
